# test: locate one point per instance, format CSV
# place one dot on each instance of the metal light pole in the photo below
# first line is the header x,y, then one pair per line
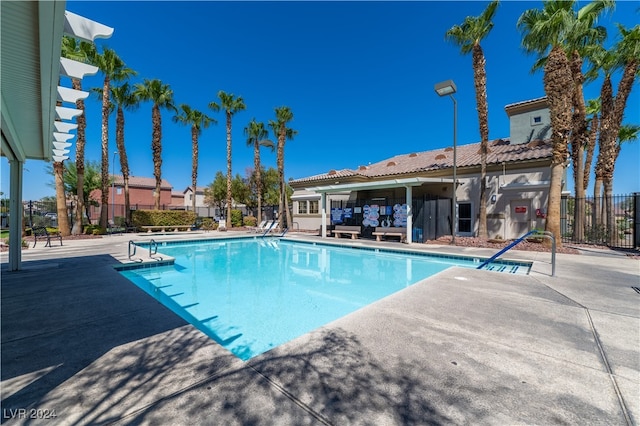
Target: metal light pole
x,y
443,89
113,193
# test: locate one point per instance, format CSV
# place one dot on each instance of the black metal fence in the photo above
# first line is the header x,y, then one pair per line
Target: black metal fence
x,y
622,232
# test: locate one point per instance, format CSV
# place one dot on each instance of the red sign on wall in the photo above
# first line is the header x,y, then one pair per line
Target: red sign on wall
x,y
521,209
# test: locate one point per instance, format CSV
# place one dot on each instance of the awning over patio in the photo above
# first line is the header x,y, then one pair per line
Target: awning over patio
x,y
407,183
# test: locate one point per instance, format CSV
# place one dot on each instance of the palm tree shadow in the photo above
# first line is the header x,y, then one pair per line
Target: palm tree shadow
x,y
60,317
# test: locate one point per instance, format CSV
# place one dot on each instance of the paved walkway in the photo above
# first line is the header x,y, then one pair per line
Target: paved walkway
x,y
463,347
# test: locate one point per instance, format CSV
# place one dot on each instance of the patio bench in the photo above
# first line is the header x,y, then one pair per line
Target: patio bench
x,y
163,228
390,232
354,231
41,233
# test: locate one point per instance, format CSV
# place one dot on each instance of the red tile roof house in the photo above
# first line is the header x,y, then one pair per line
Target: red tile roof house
x,y
377,195
141,191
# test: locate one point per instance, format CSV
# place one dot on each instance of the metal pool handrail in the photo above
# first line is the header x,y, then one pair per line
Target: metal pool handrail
x,y
132,244
153,250
542,234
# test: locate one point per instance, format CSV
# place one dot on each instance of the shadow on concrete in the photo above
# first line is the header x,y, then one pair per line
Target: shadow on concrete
x,y
58,317
80,338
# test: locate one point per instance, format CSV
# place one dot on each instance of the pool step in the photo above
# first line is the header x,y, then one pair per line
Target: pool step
x,y
508,269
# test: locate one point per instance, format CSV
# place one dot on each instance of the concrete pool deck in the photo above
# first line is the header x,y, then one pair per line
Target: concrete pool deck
x,y
463,347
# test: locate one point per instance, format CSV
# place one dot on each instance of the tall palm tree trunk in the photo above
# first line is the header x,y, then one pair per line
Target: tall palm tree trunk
x,y
228,170
558,85
605,148
81,121
480,82
156,147
579,139
256,165
589,149
104,184
124,162
280,161
194,164
61,200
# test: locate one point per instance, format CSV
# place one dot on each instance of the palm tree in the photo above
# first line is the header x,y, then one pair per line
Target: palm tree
x,y
61,199
91,182
256,137
593,110
230,104
283,133
162,97
627,52
468,36
557,29
82,52
626,56
124,98
198,121
113,68
583,38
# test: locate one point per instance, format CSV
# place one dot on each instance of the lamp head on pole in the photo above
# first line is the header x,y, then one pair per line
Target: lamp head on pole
x,y
445,88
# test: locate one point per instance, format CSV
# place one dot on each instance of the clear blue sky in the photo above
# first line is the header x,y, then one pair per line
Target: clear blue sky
x,y
358,77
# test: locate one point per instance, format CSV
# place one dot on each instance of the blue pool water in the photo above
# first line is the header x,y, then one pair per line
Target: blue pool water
x,y
251,295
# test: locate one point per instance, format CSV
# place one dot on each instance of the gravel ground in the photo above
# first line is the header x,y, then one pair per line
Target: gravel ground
x,y
527,246
497,244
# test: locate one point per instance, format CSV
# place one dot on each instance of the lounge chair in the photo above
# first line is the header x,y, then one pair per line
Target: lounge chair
x,y
259,227
265,227
275,225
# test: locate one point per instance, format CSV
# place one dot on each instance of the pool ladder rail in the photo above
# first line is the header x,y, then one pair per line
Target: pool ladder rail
x,y
153,251
535,233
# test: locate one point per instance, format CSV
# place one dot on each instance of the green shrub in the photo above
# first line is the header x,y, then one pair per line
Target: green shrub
x,y
250,221
92,230
162,218
236,218
208,224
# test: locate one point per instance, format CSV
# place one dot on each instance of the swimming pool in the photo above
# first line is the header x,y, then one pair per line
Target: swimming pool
x,y
251,295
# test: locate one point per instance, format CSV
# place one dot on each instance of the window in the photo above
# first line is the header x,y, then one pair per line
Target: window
x,y
302,207
308,207
119,191
464,218
535,120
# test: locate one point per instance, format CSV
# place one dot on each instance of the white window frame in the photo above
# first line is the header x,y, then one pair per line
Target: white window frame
x,y
301,209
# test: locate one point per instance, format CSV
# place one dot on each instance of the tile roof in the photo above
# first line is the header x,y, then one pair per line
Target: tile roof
x,y
528,105
199,189
142,182
500,150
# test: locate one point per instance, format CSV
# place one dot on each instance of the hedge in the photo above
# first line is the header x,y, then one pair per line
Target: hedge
x,y
162,218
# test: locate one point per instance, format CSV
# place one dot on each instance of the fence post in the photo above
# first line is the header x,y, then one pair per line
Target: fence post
x,y
636,219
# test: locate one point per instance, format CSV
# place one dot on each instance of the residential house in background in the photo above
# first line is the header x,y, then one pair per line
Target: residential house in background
x,y
202,209
141,190
415,190
177,200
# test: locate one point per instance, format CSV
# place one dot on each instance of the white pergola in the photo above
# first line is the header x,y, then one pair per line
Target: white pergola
x,y
33,127
406,183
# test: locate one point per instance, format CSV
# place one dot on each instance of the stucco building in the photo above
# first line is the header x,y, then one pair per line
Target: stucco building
x,y
415,190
